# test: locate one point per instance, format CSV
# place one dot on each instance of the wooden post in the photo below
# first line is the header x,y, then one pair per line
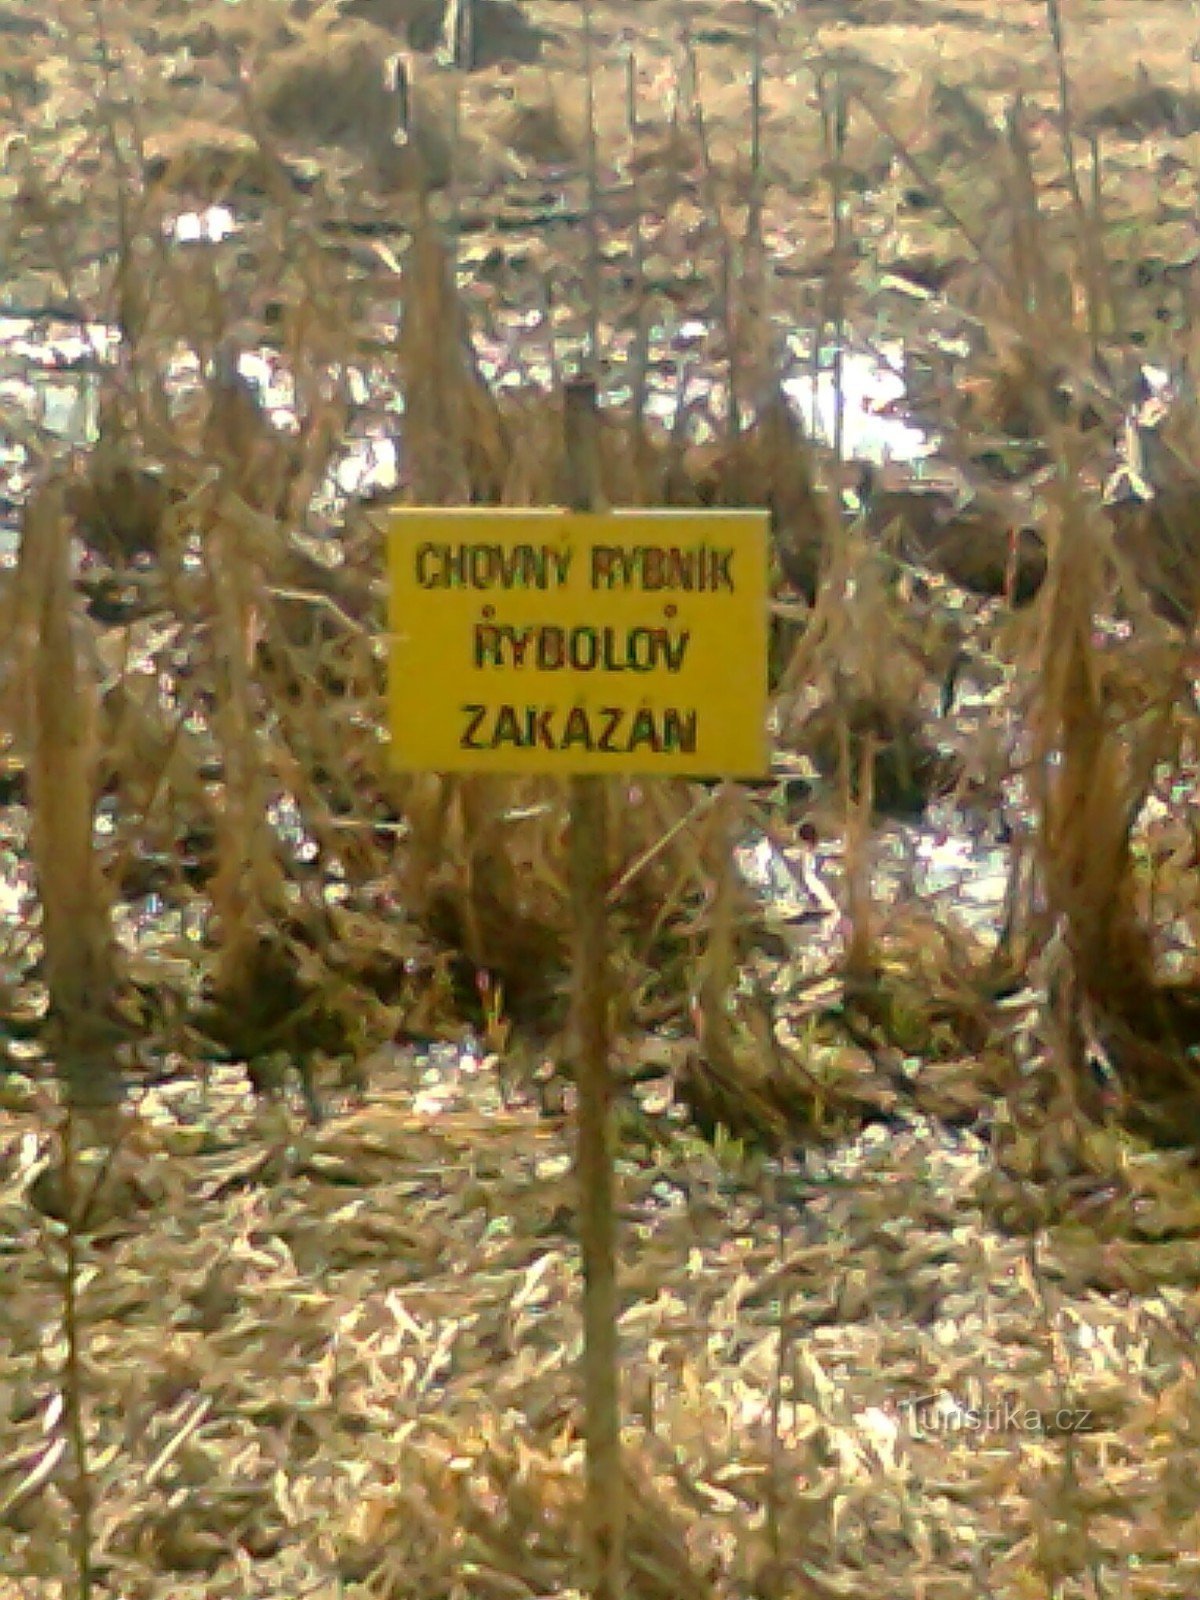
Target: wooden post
x,y
603,1509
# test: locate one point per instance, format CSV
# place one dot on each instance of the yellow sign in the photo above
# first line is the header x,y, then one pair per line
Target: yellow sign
x,y
564,642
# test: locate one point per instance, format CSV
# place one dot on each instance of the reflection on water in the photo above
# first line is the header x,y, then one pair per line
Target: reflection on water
x,y
869,393
50,370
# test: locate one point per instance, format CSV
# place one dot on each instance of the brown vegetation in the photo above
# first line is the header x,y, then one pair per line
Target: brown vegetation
x,y
309,1356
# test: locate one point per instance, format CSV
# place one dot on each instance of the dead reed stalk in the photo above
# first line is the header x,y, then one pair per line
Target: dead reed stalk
x,y
59,729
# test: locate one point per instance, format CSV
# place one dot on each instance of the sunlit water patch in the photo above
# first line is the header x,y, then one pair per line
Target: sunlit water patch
x,y
211,226
866,394
800,883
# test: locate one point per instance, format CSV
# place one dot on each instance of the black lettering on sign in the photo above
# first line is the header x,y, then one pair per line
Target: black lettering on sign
x,y
679,731
700,569
550,648
644,734
507,728
608,730
488,640
469,738
578,731
491,566
611,718
425,565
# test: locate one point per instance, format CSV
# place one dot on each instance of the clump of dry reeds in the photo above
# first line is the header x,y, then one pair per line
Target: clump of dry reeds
x,y
58,736
213,680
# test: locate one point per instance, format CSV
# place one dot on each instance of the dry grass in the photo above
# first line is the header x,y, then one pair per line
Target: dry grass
x,y
305,1359
366,1378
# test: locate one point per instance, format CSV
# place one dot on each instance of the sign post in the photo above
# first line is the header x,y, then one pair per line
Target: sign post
x,y
584,643
604,1498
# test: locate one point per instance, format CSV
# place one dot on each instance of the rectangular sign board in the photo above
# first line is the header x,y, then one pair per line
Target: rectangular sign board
x,y
549,641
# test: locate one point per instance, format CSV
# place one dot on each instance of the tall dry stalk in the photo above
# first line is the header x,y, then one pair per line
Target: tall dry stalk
x,y
1091,776
453,438
450,421
592,150
718,963
247,892
834,123
59,730
1089,243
